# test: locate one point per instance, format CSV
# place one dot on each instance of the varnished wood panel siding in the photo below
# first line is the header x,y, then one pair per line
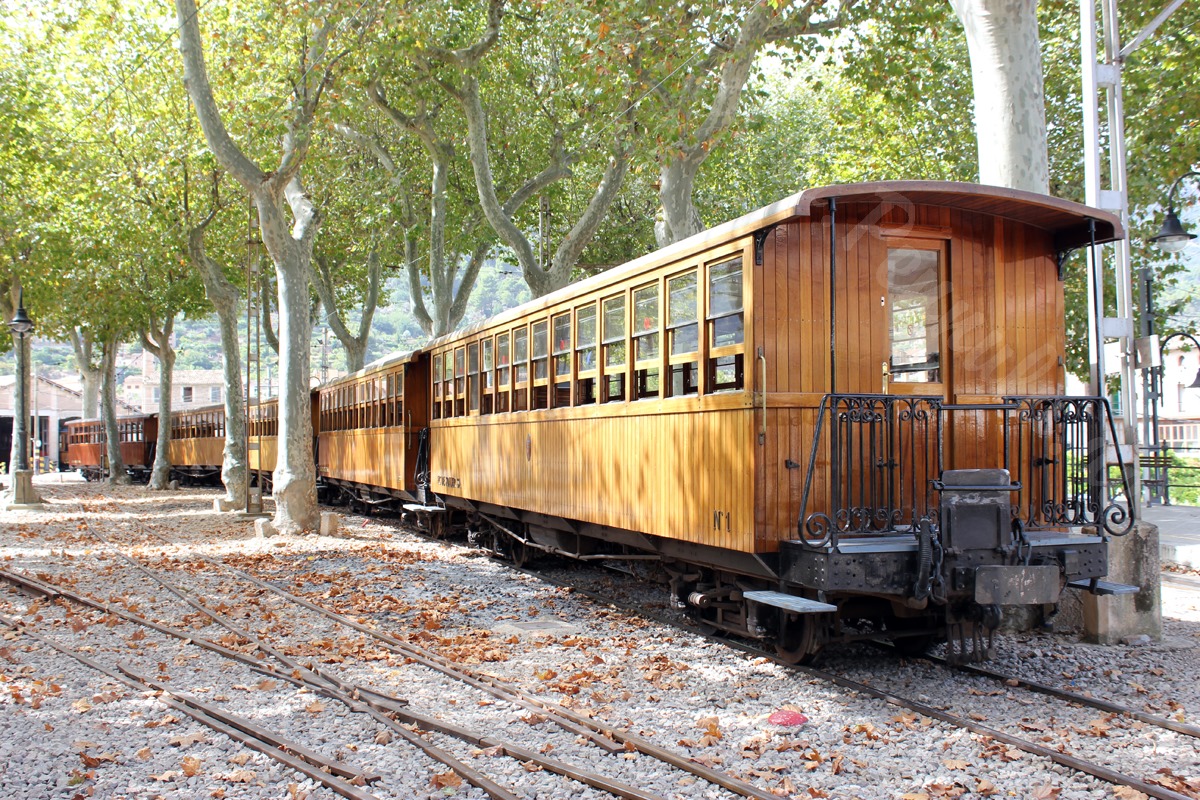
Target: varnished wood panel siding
x,y
1004,334
207,452
666,474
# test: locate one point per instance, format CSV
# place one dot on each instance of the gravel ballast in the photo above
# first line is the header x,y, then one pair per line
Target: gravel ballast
x,y
69,731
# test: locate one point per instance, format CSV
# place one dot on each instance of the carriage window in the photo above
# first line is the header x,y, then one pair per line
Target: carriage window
x,y
645,341
520,395
486,375
541,352
460,382
473,377
562,360
683,330
448,385
502,372
585,354
914,315
614,348
726,327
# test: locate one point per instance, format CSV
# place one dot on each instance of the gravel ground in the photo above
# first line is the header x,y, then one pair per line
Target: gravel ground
x,y
69,731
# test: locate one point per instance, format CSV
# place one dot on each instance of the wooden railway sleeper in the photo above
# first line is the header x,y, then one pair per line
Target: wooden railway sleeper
x,y
333,782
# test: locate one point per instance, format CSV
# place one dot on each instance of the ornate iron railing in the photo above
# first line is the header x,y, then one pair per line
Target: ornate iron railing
x,y
884,455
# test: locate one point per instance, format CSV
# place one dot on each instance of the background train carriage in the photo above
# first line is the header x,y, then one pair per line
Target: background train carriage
x,y
87,446
368,427
198,443
705,401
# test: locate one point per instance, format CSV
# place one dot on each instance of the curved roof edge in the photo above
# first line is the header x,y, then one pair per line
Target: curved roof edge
x,y
1067,221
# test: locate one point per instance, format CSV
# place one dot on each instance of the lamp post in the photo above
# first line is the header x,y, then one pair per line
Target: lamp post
x,y
22,486
1173,237
1156,389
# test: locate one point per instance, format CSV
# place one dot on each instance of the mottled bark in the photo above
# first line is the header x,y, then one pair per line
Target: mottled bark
x,y
156,338
289,246
464,87
224,297
354,344
734,54
108,406
1010,99
90,371
451,281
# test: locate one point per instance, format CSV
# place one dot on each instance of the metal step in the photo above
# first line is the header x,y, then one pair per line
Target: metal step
x,y
416,507
1103,587
789,602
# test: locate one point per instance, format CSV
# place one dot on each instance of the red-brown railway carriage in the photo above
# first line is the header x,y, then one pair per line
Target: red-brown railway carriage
x,y
844,408
87,446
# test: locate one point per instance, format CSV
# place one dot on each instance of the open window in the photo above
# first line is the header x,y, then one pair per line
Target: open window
x,y
614,349
683,334
585,354
726,327
647,356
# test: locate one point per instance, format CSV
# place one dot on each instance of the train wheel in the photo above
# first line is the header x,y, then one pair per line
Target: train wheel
x,y
798,641
518,553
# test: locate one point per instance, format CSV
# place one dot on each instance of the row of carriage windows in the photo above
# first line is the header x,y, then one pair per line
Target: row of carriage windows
x,y
263,419
198,424
132,430
582,356
375,402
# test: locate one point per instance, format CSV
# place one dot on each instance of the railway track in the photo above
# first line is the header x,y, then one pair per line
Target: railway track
x,y
387,711
1147,783
210,584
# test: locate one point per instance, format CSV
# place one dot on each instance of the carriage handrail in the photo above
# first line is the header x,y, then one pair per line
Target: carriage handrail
x,y
1060,445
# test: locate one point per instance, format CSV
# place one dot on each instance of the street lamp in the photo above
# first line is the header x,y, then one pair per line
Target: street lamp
x,y
22,488
1173,237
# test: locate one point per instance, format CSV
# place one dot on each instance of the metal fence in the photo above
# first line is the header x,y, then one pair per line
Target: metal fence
x,y
1170,469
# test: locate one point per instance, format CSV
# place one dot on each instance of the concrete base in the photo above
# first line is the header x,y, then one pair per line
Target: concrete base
x,y
263,528
22,496
1132,559
329,523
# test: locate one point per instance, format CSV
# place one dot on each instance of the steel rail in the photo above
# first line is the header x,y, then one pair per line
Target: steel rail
x,y
1071,762
468,773
1074,697
223,723
506,691
382,709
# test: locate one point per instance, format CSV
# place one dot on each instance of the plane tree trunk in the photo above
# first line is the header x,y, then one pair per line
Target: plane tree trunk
x,y
91,373
289,246
1010,97
108,404
156,338
224,297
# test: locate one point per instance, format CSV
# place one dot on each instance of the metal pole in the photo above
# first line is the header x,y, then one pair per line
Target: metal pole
x,y
21,412
249,306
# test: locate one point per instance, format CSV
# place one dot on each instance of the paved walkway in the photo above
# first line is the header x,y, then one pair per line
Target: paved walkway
x,y
1178,532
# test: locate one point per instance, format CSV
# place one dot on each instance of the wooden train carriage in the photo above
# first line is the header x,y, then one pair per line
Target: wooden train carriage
x,y
263,423
672,403
87,445
198,442
369,427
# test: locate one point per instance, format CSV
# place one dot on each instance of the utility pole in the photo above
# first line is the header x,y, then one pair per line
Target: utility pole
x,y
1106,187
